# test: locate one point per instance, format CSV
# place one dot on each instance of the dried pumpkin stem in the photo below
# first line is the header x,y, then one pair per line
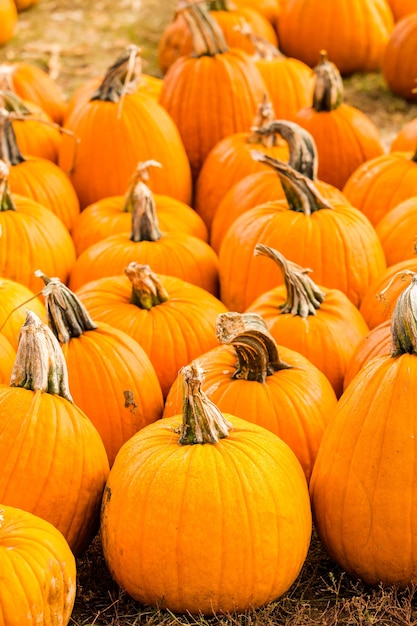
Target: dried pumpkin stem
x,y
404,320
121,77
147,289
9,150
6,198
145,225
263,117
67,315
328,90
202,420
138,181
256,349
207,36
304,297
40,363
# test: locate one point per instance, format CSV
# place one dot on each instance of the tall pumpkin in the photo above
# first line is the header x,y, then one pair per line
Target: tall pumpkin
x,y
220,502
213,92
54,463
362,488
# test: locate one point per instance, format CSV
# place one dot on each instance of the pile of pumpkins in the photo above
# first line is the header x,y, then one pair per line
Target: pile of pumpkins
x,y
208,313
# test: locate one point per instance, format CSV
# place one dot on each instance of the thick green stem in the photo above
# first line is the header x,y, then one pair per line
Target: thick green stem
x,y
304,298
147,289
256,349
67,315
328,89
202,420
40,363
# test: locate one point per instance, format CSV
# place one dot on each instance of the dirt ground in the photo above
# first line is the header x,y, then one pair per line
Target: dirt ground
x,y
79,39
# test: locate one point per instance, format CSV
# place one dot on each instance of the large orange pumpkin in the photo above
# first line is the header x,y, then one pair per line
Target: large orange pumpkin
x,y
220,502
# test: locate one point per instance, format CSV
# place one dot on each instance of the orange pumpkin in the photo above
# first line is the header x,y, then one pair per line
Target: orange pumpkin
x,y
15,298
376,342
170,318
397,67
397,231
406,138
266,383
8,20
222,516
320,323
7,358
48,443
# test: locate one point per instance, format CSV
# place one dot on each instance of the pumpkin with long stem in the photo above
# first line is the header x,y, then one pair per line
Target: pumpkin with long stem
x,y
111,377
362,487
251,376
54,463
172,319
320,323
220,502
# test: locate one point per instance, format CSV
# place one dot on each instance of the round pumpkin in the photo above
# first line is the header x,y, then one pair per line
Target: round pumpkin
x,y
8,20
397,231
397,64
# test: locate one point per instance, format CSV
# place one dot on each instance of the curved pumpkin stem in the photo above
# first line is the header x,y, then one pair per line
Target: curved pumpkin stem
x,y
121,77
328,90
207,36
138,187
9,150
256,349
147,289
304,298
40,363
202,420
404,317
6,198
301,192
67,315
145,225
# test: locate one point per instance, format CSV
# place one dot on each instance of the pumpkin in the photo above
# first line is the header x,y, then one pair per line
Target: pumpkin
x,y
175,252
397,231
354,34
176,38
14,299
382,183
48,443
112,215
401,8
230,160
38,571
376,342
110,375
252,376
32,236
343,134
269,8
338,243
8,20
212,93
397,67
229,518
318,322
364,503
172,319
32,83
7,358
118,127
406,138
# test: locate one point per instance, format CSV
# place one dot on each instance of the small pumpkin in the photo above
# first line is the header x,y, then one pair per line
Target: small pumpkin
x,y
221,502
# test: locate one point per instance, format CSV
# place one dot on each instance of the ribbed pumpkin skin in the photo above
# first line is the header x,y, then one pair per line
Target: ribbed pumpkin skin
x,y
307,26
45,182
397,231
294,404
35,238
380,184
345,136
376,342
106,217
210,98
172,333
39,568
111,147
225,544
175,253
328,338
36,138
58,453
102,364
7,358
376,310
15,298
397,64
339,245
8,20
363,482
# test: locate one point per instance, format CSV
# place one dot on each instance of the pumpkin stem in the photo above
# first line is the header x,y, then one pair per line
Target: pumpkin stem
x,y
6,198
9,150
121,77
138,187
12,103
404,316
67,315
145,225
256,349
301,192
40,363
263,49
263,117
207,36
304,298
328,90
301,145
147,290
202,420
